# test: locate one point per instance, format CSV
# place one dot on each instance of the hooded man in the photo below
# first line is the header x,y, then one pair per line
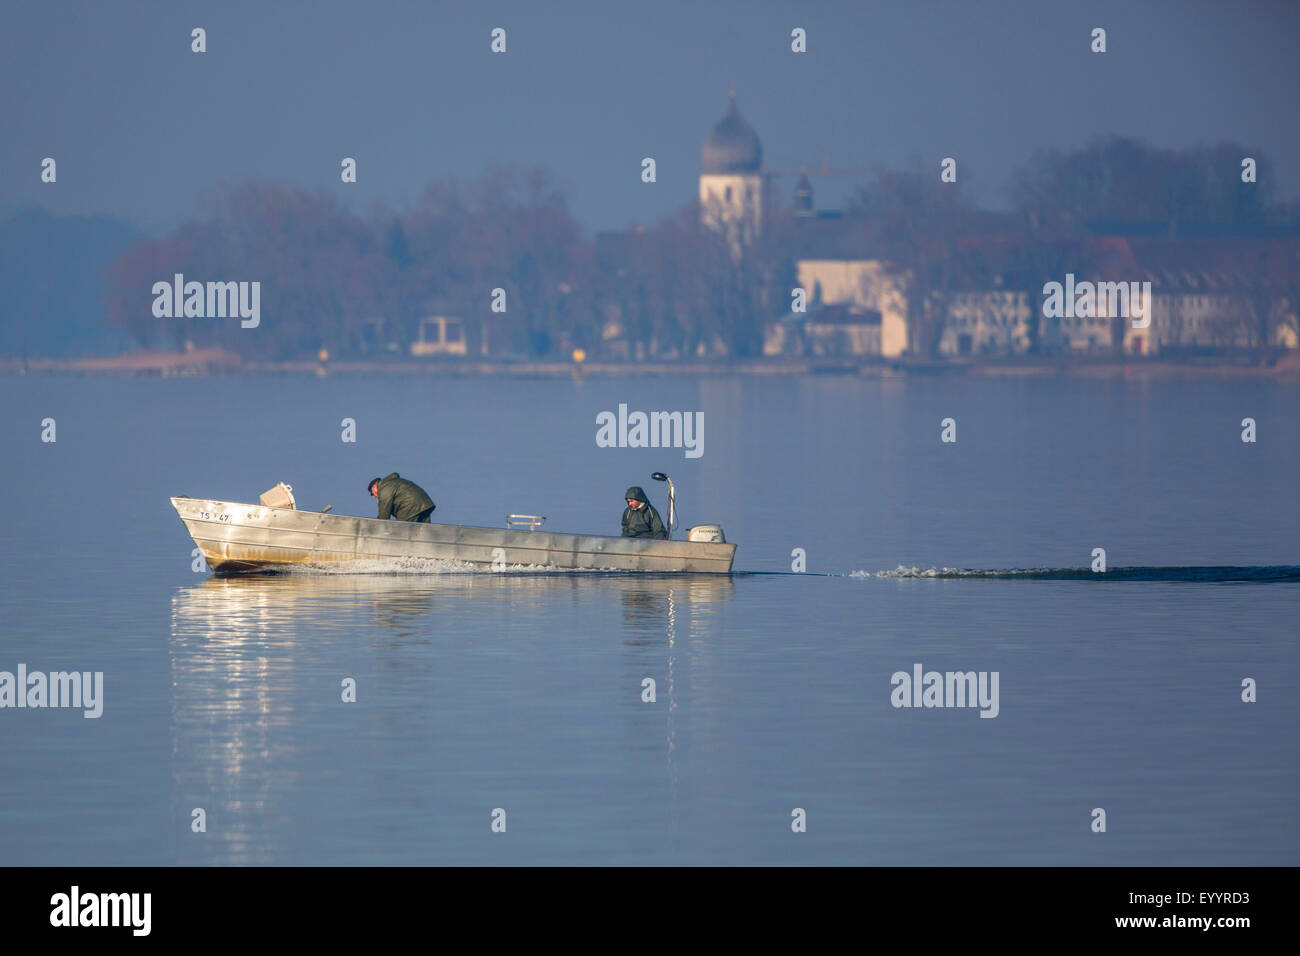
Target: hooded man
x,y
640,520
404,500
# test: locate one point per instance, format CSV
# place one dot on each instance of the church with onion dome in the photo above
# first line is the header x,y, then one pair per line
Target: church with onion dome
x,y
734,186
731,177
857,301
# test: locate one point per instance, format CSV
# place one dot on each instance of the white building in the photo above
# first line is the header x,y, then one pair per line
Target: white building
x,y
731,178
832,330
870,285
993,321
1216,294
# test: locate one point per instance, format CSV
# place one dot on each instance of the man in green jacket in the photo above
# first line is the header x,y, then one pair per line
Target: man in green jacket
x,y
404,500
640,520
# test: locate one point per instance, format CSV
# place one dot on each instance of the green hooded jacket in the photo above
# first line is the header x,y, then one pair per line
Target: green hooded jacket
x,y
402,499
642,522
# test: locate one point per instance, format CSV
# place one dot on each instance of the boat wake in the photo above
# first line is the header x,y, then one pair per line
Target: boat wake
x,y
1195,575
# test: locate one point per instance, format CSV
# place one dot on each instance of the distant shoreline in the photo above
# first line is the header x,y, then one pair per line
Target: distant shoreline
x,y
215,362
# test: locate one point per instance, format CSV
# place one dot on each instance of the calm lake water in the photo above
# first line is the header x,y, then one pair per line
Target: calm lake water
x,y
523,691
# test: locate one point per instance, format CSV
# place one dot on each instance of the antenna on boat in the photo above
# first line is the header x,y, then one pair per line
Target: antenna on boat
x,y
672,507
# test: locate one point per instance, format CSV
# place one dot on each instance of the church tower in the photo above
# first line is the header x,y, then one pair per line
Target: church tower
x,y
731,178
803,198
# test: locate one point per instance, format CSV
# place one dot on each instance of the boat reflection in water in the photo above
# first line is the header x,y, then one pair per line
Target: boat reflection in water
x,y
263,742
663,623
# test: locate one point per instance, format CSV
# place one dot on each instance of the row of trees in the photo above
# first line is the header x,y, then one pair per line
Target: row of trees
x,y
676,289
325,271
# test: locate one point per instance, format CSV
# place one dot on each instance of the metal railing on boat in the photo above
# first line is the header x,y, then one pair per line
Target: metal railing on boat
x,y
519,521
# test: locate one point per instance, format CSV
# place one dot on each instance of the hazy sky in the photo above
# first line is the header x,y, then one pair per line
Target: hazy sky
x,y
146,130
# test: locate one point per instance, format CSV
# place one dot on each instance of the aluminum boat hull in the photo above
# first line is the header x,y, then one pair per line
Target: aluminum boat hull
x,y
236,537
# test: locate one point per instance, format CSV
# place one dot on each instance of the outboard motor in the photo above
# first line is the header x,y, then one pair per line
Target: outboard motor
x,y
701,532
